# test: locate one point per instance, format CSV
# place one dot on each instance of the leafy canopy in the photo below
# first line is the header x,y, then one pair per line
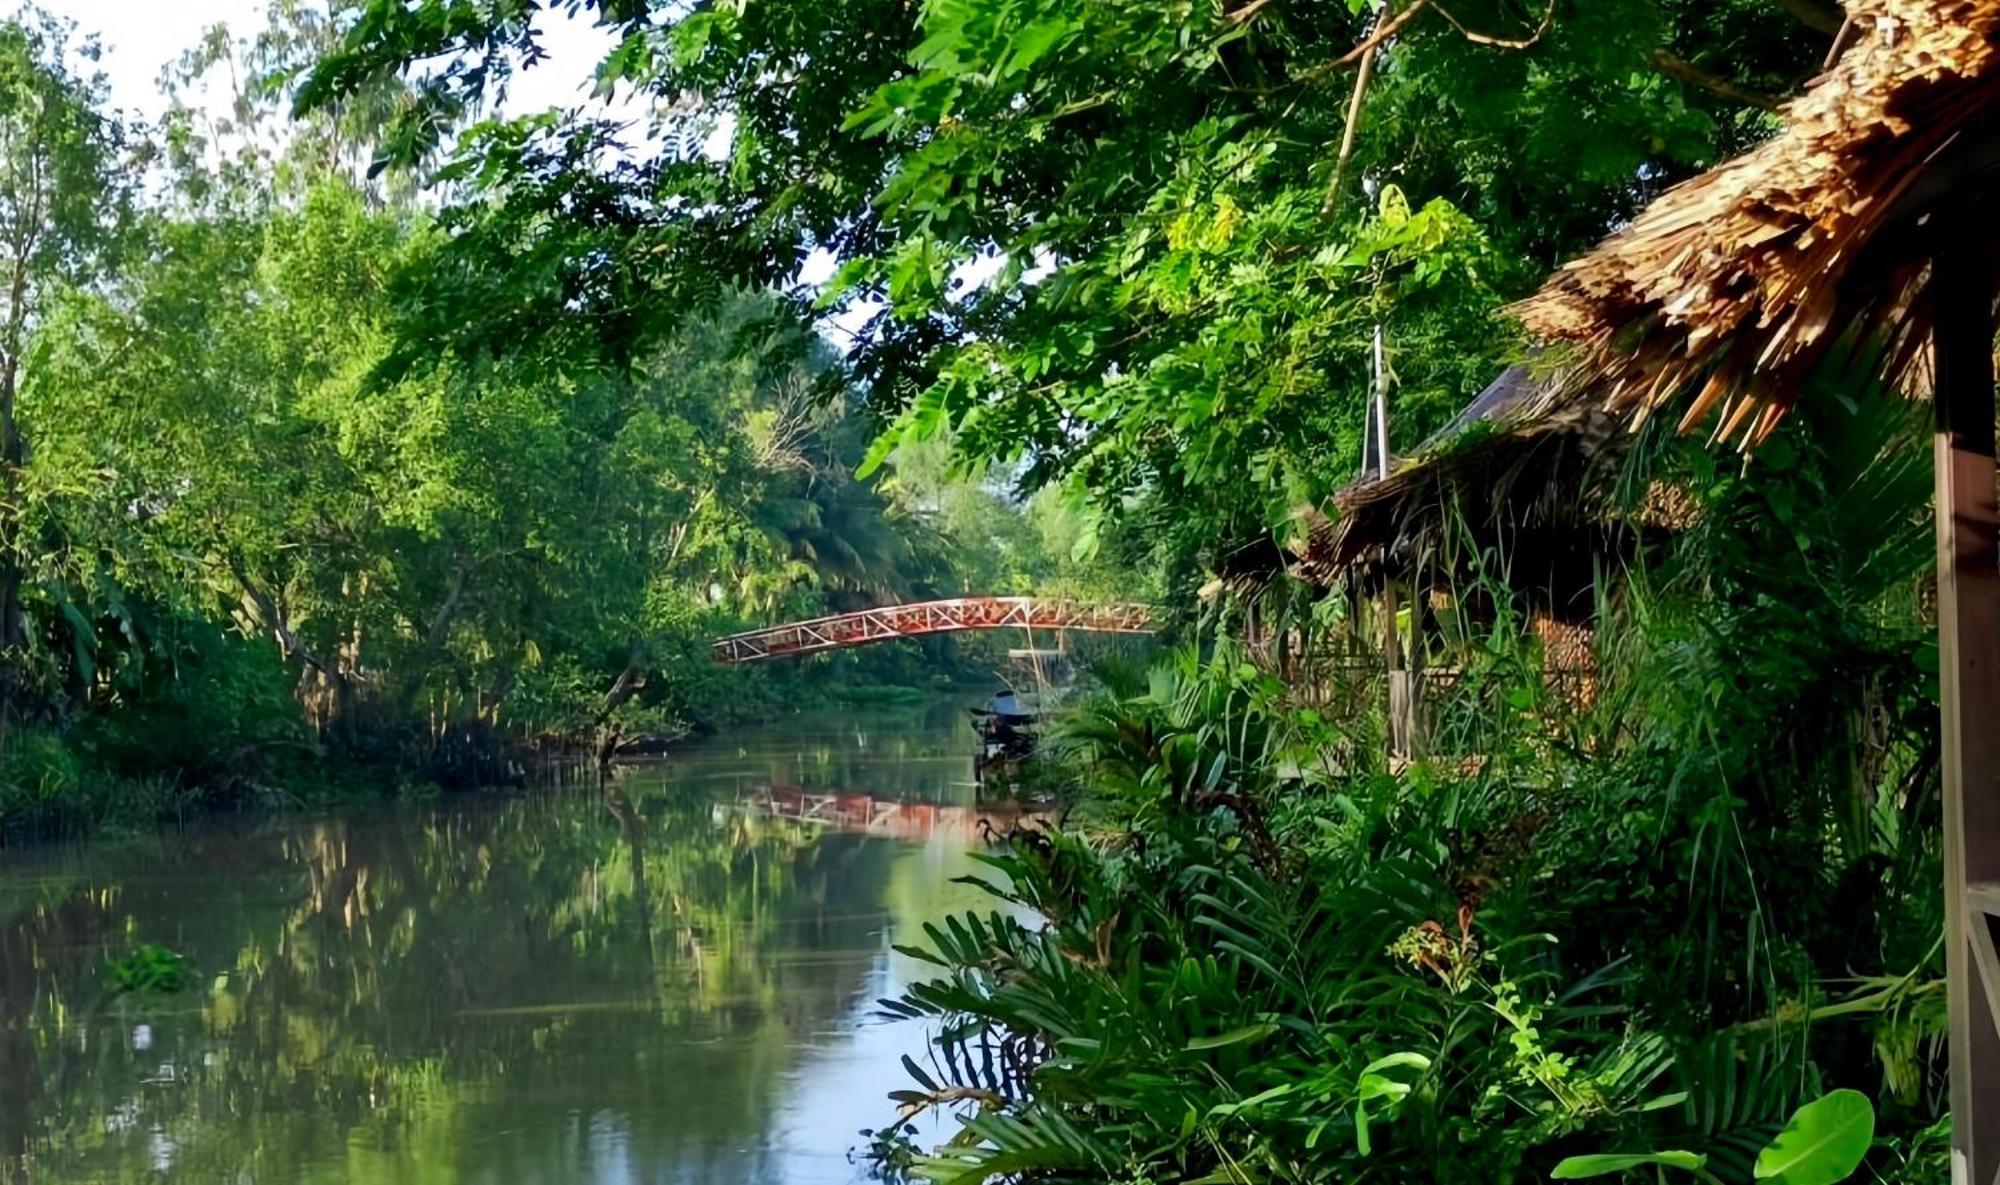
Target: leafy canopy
x,y
1116,243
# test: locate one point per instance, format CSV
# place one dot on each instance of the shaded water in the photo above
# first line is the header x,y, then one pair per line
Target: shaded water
x,y
672,981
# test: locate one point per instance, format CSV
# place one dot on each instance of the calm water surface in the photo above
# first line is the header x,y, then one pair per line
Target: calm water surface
x,y
671,981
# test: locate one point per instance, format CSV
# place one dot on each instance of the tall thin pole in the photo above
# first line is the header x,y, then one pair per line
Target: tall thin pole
x,y
1381,397
1400,701
1968,578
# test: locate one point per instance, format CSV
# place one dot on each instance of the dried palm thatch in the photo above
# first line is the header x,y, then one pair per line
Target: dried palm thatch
x,y
1530,475
1740,283
1513,466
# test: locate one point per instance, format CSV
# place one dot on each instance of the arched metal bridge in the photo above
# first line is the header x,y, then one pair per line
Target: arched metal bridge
x,y
932,617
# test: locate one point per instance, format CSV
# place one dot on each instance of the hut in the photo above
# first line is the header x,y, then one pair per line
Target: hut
x,y
1521,498
1518,473
1863,236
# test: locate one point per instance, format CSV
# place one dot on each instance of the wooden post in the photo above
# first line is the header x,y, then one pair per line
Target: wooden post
x,y
1968,578
1399,681
1400,703
1415,727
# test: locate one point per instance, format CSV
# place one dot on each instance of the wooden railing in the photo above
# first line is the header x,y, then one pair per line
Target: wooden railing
x,y
932,617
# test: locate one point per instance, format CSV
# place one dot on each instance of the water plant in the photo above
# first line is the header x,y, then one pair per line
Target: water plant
x,y
149,969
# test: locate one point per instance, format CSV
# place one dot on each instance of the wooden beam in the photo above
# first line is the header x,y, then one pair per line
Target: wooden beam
x,y
1400,741
1968,576
1414,732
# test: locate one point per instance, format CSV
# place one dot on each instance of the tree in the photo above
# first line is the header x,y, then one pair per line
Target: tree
x,y
1139,249
62,197
476,549
252,151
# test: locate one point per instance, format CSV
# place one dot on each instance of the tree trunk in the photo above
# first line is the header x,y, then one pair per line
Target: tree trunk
x,y
629,683
318,677
13,627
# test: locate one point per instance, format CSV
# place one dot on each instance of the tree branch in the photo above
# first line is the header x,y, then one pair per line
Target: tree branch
x,y
1681,70
1827,18
629,683
1361,81
1354,57
266,607
1383,32
1841,41
1478,38
1368,50
435,635
1243,14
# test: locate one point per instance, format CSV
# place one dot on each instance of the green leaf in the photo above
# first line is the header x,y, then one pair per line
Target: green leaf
x,y
1225,1110
1232,1037
1823,1143
1032,43
1374,1085
1576,1168
1394,207
83,633
1089,535
879,451
1414,1061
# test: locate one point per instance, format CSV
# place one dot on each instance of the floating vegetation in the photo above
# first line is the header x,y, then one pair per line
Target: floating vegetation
x,y
150,969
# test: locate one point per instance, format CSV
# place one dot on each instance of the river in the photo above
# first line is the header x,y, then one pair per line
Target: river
x,y
669,981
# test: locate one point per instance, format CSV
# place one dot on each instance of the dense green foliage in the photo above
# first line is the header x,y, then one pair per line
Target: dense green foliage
x,y
321,465
241,537
1113,239
1650,926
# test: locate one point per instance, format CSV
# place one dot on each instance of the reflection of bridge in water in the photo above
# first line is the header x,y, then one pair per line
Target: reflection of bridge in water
x,y
887,817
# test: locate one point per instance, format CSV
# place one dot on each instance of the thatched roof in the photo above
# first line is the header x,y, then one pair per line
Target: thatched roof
x,y
1510,461
1740,282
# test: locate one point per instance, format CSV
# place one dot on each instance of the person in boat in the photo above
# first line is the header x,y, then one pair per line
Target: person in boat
x,y
1004,716
1007,705
1005,727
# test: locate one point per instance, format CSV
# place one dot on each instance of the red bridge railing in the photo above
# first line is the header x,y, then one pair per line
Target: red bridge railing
x,y
931,617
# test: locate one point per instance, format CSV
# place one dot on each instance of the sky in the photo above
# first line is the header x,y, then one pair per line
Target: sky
x,y
142,36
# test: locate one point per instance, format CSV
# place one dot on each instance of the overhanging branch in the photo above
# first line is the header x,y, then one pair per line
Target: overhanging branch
x,y
1497,42
1827,18
1681,70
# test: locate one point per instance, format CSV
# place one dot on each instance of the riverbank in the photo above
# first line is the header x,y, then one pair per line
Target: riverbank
x,y
149,771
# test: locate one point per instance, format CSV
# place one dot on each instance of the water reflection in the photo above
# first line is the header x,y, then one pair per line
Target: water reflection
x,y
667,981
